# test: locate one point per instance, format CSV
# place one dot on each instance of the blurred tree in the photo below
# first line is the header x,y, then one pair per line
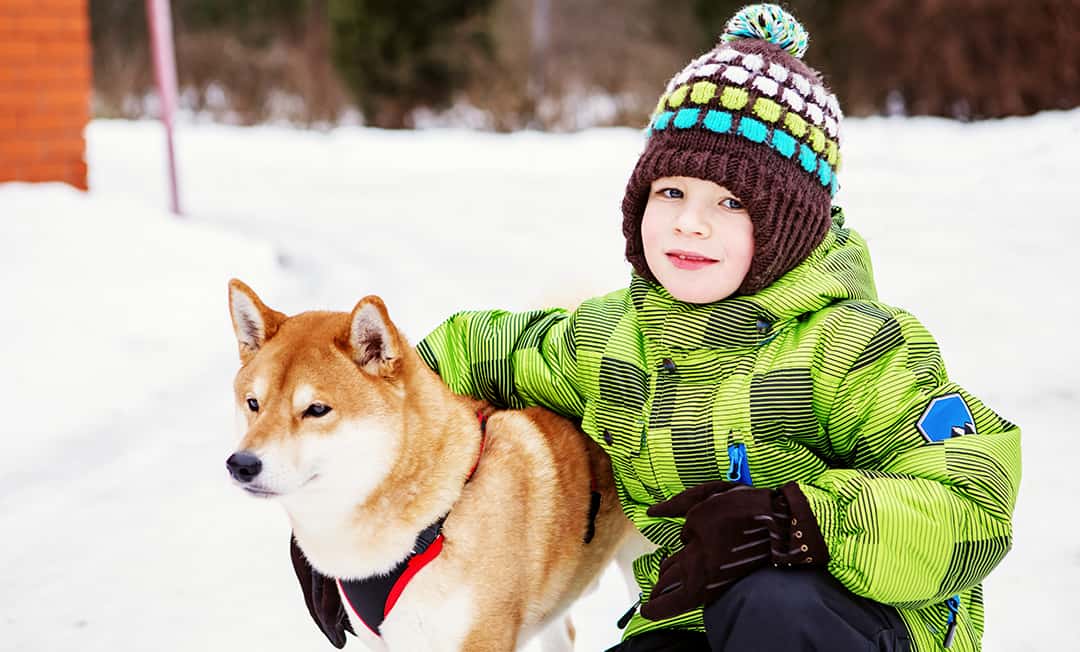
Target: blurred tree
x,y
201,14
397,56
125,20
255,23
119,53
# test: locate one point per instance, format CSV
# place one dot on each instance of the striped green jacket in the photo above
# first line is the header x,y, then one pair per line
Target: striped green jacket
x,y
912,479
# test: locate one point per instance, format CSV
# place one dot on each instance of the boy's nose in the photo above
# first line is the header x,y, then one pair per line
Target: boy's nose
x,y
690,223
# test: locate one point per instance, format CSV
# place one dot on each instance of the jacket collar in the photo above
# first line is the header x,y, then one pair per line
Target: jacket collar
x,y
837,269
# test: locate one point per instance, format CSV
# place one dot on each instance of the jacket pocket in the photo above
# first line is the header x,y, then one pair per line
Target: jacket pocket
x,y
621,435
616,430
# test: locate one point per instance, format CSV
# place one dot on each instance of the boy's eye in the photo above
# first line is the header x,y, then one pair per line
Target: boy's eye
x,y
671,193
732,203
253,405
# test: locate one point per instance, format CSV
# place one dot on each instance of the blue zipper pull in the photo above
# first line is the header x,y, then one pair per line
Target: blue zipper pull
x,y
735,454
739,467
953,604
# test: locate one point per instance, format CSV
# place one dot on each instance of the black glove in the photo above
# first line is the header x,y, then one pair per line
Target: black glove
x,y
321,597
731,530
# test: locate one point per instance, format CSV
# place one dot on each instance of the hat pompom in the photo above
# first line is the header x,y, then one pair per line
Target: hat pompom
x,y
771,23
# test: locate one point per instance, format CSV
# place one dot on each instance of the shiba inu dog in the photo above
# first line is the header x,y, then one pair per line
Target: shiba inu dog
x,y
366,449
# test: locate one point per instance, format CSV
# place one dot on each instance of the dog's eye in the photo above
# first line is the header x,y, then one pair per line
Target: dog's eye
x,y
317,410
253,405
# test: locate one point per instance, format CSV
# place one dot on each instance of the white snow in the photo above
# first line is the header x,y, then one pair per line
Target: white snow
x,y
120,528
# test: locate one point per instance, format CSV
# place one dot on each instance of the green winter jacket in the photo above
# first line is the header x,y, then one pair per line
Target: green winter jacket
x,y
912,479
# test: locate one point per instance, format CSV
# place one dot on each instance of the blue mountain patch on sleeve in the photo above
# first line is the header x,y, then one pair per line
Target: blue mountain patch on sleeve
x,y
945,417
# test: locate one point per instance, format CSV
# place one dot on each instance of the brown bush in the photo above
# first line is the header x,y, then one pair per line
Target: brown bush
x,y
962,58
236,75
965,59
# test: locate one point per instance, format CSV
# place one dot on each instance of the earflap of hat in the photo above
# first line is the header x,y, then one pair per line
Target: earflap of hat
x,y
790,228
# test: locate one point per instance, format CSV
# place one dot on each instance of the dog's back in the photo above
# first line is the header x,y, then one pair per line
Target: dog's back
x,y
527,514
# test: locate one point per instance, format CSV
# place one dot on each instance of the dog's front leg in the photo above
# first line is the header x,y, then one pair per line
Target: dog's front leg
x,y
558,636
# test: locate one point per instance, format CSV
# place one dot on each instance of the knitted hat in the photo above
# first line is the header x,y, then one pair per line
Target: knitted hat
x,y
751,116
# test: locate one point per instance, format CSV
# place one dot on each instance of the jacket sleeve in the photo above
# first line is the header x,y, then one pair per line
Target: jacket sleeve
x,y
511,360
922,507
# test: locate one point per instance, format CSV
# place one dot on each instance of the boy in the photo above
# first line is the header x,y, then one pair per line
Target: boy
x,y
795,449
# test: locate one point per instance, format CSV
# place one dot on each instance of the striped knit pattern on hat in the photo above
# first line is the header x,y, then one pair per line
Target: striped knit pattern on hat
x,y
751,116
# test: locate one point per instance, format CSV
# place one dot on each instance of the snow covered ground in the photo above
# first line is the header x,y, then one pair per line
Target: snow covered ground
x,y
120,528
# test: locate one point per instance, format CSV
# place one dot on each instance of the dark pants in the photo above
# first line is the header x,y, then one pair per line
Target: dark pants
x,y
785,610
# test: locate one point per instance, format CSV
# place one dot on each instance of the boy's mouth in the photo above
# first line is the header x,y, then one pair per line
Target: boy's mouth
x,y
688,259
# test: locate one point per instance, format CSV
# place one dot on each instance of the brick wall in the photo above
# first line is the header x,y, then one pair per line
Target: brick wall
x,y
44,90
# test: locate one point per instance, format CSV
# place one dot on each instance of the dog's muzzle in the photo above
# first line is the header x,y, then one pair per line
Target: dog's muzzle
x,y
243,466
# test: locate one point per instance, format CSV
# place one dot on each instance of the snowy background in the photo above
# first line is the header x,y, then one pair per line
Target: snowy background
x,y
120,530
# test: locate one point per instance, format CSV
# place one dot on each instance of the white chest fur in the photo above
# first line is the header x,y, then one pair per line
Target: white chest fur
x,y
427,617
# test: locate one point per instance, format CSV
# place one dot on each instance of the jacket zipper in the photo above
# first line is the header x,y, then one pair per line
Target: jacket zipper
x,y
738,465
953,604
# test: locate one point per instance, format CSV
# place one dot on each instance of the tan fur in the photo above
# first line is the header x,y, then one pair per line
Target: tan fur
x,y
513,540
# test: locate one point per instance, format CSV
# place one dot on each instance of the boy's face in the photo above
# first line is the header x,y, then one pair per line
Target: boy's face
x,y
698,238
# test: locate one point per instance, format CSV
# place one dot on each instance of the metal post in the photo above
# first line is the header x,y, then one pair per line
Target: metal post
x,y
158,13
538,53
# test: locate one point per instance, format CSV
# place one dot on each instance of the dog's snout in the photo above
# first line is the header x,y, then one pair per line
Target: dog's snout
x,y
244,466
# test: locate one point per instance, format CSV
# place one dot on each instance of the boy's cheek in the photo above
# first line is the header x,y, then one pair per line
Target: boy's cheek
x,y
650,231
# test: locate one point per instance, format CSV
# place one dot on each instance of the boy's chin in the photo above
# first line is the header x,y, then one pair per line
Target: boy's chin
x,y
688,293
697,286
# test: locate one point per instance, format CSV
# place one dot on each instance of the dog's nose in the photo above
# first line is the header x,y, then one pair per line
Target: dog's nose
x,y
244,466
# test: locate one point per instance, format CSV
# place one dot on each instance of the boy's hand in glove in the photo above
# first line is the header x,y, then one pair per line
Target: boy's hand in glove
x,y
322,598
731,530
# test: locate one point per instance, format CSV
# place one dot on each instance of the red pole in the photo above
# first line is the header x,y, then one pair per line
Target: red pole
x,y
159,16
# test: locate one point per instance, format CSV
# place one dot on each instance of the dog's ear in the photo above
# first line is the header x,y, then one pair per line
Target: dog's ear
x,y
253,322
373,339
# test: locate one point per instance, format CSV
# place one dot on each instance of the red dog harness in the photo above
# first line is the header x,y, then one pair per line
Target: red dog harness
x,y
372,598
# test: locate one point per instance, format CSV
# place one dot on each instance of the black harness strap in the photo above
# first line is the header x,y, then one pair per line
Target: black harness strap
x,y
368,597
372,598
594,510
